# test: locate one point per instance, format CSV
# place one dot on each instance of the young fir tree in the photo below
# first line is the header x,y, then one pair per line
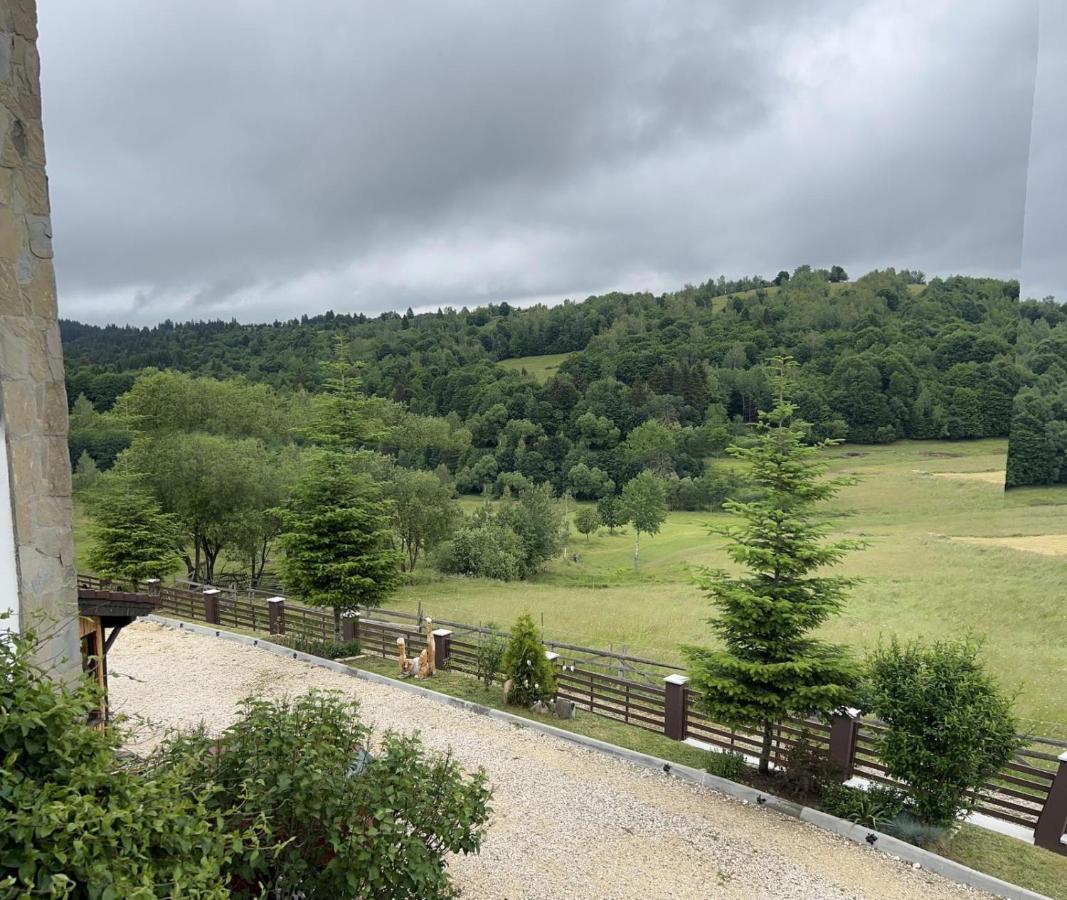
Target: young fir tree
x,y
525,664
337,540
133,539
769,666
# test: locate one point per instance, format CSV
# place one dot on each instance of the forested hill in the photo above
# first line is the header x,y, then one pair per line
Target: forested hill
x,y
882,357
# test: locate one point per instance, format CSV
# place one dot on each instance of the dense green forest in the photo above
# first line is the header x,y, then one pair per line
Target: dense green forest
x,y
658,382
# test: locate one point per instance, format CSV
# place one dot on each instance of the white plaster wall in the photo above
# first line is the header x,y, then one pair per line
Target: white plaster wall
x,y
9,585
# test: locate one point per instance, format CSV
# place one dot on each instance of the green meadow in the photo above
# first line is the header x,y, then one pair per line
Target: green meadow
x,y
911,502
917,581
540,367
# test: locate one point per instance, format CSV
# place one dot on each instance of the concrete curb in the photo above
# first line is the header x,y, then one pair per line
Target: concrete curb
x,y
882,843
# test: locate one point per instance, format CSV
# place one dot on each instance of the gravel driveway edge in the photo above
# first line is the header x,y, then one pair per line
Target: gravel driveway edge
x,y
882,843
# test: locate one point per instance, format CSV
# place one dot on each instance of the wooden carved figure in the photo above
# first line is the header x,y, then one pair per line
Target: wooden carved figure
x,y
421,666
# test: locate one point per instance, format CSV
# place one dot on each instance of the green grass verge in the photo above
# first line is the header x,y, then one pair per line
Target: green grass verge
x,y
995,854
1009,859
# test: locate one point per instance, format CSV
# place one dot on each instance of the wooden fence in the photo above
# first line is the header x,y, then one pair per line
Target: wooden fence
x,y
1031,791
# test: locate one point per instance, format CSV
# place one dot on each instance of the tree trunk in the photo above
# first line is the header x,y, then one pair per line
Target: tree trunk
x,y
210,557
337,623
637,550
765,751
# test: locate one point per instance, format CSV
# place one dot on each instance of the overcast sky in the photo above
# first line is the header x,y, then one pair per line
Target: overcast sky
x,y
257,159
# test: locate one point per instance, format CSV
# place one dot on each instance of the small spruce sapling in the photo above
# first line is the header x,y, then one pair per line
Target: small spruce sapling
x,y
530,672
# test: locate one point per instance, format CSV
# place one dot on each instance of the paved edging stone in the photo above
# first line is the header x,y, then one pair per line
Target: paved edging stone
x,y
882,843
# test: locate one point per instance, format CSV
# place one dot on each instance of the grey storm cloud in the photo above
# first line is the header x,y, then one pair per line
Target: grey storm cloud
x,y
260,160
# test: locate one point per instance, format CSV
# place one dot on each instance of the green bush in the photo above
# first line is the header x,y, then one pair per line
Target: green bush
x,y
727,764
489,657
949,726
327,649
807,770
531,674
74,822
486,550
877,807
343,823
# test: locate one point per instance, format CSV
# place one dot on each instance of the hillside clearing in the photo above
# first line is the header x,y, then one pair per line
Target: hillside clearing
x,y
540,367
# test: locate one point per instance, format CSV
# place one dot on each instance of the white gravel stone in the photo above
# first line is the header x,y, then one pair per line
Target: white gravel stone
x,y
567,821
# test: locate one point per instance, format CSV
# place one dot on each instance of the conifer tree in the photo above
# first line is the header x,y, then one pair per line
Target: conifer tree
x,y
338,542
769,666
133,539
525,664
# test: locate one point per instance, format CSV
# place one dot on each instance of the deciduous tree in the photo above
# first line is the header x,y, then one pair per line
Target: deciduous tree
x,y
644,500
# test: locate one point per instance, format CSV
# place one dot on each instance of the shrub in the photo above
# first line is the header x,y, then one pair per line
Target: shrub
x,y
531,674
489,657
74,821
486,550
949,726
808,770
538,520
727,764
877,807
327,649
344,823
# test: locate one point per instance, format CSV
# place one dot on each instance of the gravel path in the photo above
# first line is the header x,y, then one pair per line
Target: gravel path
x,y
568,822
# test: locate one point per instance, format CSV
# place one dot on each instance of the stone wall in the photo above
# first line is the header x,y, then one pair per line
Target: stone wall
x,y
33,403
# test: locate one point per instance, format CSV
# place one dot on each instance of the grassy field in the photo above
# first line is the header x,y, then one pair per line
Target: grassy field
x,y
918,581
540,367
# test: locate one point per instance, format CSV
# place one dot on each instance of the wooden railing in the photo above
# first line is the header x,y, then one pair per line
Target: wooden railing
x,y
1031,791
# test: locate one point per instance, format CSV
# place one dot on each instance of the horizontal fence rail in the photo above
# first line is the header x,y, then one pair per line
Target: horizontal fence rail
x,y
1031,791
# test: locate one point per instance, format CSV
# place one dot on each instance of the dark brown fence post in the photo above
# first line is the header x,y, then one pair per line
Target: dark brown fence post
x,y
151,587
674,706
442,647
350,628
211,605
1052,822
276,615
844,730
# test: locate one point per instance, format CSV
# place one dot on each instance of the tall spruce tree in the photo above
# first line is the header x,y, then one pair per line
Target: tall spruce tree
x,y
133,539
769,666
337,540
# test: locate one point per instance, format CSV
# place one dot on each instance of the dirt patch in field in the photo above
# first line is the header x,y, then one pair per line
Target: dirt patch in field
x,y
996,476
941,454
1045,544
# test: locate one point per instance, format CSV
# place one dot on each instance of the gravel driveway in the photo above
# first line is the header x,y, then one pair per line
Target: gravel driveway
x,y
568,822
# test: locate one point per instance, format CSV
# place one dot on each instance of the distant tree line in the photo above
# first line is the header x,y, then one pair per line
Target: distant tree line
x,y
653,382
